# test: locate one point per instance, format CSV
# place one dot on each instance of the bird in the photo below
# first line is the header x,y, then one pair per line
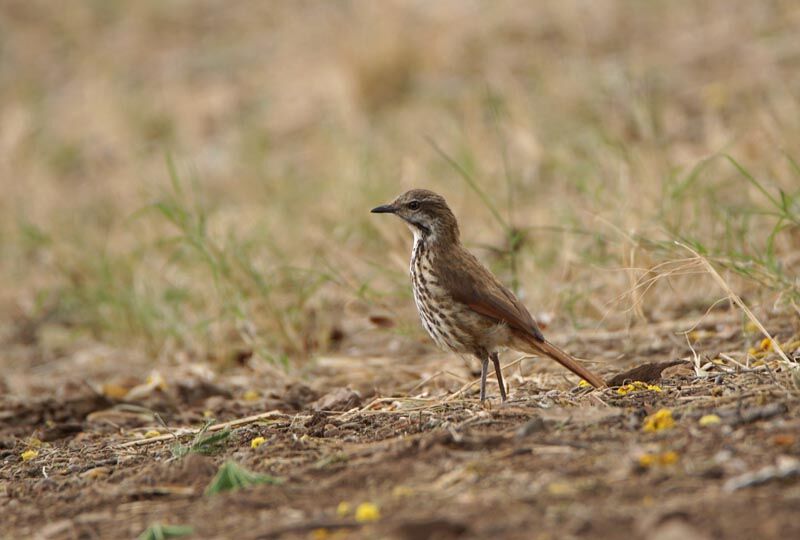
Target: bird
x,y
462,305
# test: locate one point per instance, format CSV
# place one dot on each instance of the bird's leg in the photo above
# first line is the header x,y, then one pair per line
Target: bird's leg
x,y
499,373
484,372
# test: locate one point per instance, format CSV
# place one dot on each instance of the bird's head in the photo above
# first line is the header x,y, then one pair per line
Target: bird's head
x,y
426,213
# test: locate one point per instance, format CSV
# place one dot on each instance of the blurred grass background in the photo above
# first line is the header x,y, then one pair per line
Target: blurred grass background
x,y
198,175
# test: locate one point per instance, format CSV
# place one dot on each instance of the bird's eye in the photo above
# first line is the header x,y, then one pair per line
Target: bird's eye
x,y
413,205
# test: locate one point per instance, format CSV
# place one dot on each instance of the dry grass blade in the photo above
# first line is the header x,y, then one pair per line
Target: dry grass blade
x,y
216,427
739,302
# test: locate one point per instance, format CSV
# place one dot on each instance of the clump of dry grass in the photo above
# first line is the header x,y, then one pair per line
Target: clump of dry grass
x,y
593,133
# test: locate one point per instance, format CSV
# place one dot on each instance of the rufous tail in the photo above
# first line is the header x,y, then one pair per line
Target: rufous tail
x,y
568,362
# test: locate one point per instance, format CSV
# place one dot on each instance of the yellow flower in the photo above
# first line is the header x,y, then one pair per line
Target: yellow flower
x,y
251,395
28,455
646,460
343,509
668,458
637,386
709,420
114,391
258,441
151,433
583,384
320,534
660,420
402,491
765,345
665,458
367,512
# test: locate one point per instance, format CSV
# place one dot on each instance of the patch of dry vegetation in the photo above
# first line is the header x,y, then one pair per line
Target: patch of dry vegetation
x,y
598,133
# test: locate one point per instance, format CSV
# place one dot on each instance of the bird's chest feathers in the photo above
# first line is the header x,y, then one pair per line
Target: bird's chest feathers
x,y
423,275
432,300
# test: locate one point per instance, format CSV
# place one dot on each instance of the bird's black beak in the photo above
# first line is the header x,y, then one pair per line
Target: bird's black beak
x,y
385,209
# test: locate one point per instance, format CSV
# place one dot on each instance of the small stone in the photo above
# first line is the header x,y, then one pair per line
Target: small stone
x,y
341,399
534,425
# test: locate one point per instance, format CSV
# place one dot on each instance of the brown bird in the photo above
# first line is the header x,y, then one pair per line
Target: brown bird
x,y
462,305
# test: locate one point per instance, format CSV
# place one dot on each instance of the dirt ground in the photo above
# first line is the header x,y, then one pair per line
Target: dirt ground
x,y
411,438
185,236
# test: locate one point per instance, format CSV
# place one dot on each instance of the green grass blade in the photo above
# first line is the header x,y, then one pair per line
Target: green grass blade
x,y
467,177
231,476
157,531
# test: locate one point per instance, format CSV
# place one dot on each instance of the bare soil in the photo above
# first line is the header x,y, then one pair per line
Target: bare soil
x,y
555,461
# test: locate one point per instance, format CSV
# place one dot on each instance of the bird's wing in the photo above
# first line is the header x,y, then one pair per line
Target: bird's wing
x,y
509,310
473,284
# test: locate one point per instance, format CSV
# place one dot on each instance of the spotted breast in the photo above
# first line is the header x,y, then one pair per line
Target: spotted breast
x,y
431,299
